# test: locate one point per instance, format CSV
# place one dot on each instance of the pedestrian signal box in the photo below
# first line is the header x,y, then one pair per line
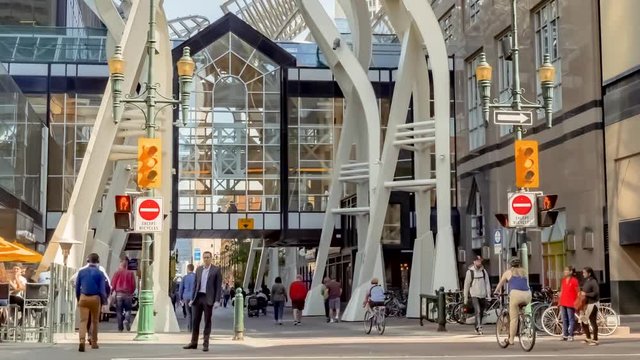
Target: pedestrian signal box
x,y
123,203
122,216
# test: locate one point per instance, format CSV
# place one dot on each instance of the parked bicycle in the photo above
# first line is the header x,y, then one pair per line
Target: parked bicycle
x,y
526,329
375,316
394,305
608,321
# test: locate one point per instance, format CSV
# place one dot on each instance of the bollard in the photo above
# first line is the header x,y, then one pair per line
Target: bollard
x,y
238,316
442,316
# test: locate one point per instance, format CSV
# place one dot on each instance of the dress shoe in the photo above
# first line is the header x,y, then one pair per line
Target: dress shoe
x,y
81,347
205,347
190,347
95,346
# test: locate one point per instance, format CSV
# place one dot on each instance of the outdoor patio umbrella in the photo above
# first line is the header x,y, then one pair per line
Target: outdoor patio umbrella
x,y
14,252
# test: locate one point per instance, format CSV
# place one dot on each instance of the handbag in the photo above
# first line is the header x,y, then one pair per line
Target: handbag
x,y
581,302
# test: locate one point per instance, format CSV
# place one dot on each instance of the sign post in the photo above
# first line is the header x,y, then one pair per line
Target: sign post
x,y
497,248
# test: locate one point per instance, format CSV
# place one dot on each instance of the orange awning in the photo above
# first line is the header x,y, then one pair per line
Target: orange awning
x,y
14,252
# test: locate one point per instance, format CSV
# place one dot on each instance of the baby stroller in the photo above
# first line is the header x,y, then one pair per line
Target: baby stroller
x,y
253,306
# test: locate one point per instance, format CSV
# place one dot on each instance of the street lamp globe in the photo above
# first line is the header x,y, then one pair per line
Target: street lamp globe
x,y
546,72
483,70
186,65
117,63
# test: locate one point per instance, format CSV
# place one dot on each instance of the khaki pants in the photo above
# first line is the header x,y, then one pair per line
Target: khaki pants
x,y
89,305
516,299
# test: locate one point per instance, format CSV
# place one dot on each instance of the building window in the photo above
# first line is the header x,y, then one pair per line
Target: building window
x,y
446,24
230,159
473,10
547,20
505,76
474,108
476,214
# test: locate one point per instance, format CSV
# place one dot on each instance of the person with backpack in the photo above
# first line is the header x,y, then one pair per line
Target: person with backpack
x,y
477,290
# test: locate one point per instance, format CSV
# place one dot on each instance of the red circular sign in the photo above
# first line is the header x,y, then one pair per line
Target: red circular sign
x,y
149,210
521,205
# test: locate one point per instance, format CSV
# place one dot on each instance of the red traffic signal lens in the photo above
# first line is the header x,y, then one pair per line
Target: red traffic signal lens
x,y
546,202
123,203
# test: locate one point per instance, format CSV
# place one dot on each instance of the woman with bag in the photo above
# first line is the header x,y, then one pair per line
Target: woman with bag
x,y
569,289
591,291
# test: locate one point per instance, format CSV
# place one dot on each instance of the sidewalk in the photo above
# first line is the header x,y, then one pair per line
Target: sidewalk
x,y
263,332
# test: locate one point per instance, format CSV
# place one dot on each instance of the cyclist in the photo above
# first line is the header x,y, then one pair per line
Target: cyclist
x,y
375,295
519,293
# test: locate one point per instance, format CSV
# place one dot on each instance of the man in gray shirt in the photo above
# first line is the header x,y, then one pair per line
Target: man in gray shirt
x,y
477,288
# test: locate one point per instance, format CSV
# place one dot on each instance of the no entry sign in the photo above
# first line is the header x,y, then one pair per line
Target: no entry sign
x,y
522,212
148,215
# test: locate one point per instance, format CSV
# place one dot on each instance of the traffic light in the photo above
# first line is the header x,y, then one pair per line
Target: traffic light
x,y
527,175
546,215
122,215
149,163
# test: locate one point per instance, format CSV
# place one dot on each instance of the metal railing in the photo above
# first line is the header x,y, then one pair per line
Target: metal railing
x,y
43,44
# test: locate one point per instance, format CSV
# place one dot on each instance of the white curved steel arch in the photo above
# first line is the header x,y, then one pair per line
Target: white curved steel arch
x,y
92,178
350,71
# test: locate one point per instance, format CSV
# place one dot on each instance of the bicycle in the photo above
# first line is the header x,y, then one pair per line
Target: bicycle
x,y
526,328
607,320
375,315
393,305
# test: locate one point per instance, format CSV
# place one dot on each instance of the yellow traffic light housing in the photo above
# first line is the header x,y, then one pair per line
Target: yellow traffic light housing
x,y
149,163
527,174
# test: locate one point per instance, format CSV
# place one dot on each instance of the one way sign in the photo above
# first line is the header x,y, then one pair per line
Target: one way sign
x,y
508,117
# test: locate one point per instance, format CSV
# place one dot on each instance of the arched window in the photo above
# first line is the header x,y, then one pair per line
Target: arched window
x,y
233,155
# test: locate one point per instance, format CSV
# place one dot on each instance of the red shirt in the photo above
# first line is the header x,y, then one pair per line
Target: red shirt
x,y
124,281
298,291
569,292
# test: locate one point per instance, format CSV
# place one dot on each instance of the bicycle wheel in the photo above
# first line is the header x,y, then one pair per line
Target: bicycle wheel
x,y
552,321
449,311
368,322
536,314
607,321
526,332
502,329
381,323
461,316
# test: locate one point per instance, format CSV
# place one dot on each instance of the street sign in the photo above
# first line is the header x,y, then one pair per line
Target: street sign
x,y
509,117
148,215
497,242
497,237
522,212
245,224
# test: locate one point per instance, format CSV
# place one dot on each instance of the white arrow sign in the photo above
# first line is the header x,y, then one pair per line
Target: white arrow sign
x,y
506,117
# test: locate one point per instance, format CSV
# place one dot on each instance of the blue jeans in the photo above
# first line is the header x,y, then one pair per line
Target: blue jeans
x,y
123,310
278,310
568,320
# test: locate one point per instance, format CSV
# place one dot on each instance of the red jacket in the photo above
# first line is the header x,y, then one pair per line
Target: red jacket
x,y
298,291
569,292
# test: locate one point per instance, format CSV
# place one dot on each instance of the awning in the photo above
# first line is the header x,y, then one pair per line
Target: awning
x,y
14,252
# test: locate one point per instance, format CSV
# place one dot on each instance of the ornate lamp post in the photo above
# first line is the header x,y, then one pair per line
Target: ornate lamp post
x,y
546,75
149,97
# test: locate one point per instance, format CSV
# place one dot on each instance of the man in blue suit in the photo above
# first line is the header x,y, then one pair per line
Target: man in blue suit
x,y
185,293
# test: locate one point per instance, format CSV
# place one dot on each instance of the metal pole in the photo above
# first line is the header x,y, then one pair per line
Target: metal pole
x,y
521,233
238,318
146,312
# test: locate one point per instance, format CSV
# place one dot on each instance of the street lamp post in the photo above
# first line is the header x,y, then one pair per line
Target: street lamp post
x,y
546,74
149,97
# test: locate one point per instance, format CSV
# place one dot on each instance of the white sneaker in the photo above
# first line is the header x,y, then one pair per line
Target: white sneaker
x,y
332,321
